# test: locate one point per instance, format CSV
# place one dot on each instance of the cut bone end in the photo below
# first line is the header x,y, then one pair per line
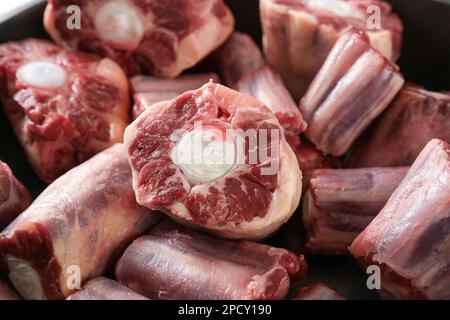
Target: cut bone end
x,y
205,155
119,24
24,278
42,74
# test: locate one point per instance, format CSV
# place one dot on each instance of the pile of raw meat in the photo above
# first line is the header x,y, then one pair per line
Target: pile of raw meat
x,y
164,182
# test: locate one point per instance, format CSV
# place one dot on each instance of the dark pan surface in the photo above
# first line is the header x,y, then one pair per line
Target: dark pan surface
x,y
425,60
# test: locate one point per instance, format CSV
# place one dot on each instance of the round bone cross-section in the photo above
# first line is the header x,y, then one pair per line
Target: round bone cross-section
x,y
217,160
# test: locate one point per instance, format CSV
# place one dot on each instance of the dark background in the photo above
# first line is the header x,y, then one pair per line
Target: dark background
x,y
425,60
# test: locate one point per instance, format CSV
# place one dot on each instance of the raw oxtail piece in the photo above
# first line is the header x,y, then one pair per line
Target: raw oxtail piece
x,y
310,159
243,68
105,289
75,229
64,106
238,56
354,86
414,118
299,34
318,292
6,293
161,37
215,159
148,90
340,204
409,239
14,198
172,263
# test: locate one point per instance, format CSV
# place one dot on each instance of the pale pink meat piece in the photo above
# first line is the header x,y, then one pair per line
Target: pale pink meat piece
x,y
148,91
353,87
409,239
64,106
299,34
160,37
172,263
415,117
78,226
340,204
243,68
105,289
318,292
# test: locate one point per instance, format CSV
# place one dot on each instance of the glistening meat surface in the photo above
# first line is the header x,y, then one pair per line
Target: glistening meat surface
x,y
174,263
340,204
14,198
64,107
318,292
354,86
148,91
77,227
161,37
105,289
243,68
215,159
299,34
409,239
414,118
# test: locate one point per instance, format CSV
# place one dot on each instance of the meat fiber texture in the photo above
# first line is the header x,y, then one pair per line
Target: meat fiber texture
x,y
148,90
105,289
409,239
318,292
64,107
160,37
414,118
310,159
299,34
78,226
14,198
217,160
353,87
340,204
180,264
6,293
243,68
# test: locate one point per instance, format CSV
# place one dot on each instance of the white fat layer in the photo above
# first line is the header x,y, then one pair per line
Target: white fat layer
x,y
203,156
120,24
24,278
338,7
42,74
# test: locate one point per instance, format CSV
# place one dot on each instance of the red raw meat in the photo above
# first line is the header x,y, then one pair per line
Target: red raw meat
x,y
6,293
318,292
299,34
14,198
409,239
238,56
180,264
310,159
340,204
244,69
414,118
83,219
161,37
105,289
148,91
64,106
355,85
215,159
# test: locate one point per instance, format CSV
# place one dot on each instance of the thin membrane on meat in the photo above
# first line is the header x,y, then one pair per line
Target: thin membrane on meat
x,y
409,239
173,263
